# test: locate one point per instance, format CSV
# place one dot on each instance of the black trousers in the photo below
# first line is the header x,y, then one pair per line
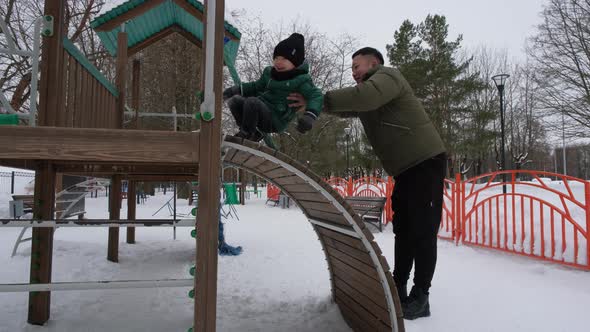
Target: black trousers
x,y
251,113
417,205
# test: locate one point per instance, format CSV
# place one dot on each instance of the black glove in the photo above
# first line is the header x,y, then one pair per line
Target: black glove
x,y
305,122
230,92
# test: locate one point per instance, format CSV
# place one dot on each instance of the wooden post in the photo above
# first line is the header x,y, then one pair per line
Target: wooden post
x,y
114,214
242,176
121,76
51,90
135,91
205,310
131,208
42,244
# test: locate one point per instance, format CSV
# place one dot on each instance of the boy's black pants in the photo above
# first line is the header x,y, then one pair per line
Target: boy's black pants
x,y
417,204
250,113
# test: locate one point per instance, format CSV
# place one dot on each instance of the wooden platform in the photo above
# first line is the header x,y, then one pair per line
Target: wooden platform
x,y
100,151
362,284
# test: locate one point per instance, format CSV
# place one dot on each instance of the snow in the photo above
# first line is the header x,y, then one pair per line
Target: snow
x,y
279,283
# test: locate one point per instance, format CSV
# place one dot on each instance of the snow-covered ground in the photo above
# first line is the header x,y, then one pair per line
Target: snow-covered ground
x,y
279,283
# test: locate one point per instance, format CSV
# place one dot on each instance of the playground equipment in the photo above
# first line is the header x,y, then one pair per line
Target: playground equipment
x,y
73,94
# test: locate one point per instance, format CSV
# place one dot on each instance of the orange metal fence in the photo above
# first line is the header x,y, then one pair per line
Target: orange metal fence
x,y
531,213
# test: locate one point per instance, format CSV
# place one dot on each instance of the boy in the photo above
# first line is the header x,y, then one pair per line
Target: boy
x,y
261,106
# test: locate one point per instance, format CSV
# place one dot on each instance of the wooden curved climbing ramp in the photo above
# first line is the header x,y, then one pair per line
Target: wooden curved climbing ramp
x,y
362,284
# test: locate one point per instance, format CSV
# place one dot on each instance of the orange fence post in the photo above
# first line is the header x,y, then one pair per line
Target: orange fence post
x,y
349,185
458,204
389,192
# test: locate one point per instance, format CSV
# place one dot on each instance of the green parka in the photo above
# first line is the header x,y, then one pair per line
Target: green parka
x,y
394,120
274,93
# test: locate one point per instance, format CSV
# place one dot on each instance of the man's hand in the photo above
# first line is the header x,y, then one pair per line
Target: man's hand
x,y
305,123
230,92
299,101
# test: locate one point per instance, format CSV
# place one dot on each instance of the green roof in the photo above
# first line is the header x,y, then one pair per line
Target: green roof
x,y
159,18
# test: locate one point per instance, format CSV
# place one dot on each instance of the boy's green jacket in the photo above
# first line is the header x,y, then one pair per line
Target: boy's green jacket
x,y
274,93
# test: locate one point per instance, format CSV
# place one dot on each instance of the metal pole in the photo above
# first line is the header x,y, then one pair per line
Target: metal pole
x,y
563,143
90,285
503,160
347,155
18,223
12,183
35,72
174,228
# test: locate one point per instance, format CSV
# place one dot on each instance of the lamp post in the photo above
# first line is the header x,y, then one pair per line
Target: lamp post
x,y
500,81
347,131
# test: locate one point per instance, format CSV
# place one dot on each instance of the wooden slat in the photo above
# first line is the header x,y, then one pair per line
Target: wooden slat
x,y
372,291
320,206
299,188
72,82
106,169
77,116
293,179
354,321
309,197
361,276
105,145
230,154
121,77
381,313
360,255
368,269
60,119
94,104
350,241
376,324
253,162
276,173
332,217
100,107
84,121
266,166
240,157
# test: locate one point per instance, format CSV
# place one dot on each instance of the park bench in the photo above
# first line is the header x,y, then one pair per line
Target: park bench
x,y
370,209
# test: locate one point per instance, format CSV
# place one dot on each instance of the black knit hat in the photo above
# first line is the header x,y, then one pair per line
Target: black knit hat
x,y
291,49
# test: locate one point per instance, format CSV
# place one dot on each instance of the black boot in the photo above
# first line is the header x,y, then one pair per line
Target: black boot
x,y
417,304
242,134
402,292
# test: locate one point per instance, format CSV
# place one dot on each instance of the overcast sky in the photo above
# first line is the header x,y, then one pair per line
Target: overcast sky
x,y
500,24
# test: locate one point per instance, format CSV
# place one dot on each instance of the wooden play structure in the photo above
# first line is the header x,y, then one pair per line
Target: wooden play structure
x,y
80,132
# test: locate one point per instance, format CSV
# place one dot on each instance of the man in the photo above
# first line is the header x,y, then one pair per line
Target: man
x,y
411,150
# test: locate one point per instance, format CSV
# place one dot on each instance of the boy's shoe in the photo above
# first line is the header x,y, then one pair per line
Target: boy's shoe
x,y
257,136
417,304
242,134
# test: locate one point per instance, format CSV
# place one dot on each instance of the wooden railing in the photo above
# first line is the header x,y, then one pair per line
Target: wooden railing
x,y
89,98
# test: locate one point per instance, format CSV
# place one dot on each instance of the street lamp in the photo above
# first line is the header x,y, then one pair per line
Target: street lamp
x,y
347,131
500,81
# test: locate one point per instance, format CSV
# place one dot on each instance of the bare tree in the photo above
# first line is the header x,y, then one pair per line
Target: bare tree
x,y
561,51
20,16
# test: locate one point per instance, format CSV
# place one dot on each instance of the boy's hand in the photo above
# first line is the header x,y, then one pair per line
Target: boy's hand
x,y
230,92
305,123
299,101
